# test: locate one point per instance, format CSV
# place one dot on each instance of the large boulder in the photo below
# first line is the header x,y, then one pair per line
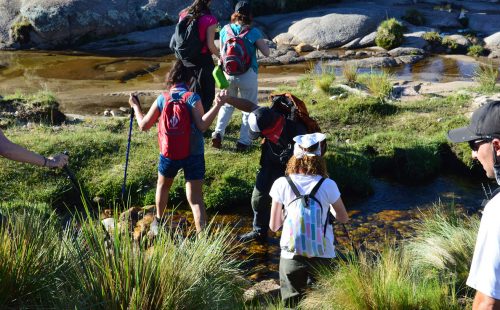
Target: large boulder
x,y
323,28
487,24
493,42
56,23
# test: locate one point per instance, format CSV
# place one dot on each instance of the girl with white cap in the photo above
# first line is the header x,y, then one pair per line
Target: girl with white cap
x,y
302,202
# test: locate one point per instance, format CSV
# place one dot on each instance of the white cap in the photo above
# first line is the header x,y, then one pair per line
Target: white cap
x,y
304,142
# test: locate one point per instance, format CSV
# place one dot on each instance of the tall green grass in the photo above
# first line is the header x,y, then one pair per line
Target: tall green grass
x,y
380,281
43,265
32,260
487,77
350,73
378,84
444,244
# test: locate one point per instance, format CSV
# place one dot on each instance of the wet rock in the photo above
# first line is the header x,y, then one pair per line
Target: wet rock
x,y
323,55
265,289
482,100
405,51
414,39
303,48
462,42
368,40
409,60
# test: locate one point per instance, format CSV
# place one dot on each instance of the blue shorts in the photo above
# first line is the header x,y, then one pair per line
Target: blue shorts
x,y
193,166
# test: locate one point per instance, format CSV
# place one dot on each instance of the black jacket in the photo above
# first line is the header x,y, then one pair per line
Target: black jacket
x,y
277,155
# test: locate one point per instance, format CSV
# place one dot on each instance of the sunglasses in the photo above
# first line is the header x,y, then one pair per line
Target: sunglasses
x,y
475,144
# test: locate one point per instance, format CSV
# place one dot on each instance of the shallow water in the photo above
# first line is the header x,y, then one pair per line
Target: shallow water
x,y
89,84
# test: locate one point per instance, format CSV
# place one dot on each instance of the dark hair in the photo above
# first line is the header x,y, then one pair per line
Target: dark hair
x,y
198,8
178,74
238,17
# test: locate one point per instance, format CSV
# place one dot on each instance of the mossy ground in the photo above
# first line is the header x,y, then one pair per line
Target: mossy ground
x,y
403,141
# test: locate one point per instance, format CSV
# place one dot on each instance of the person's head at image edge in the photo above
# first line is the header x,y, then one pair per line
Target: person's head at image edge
x,y
483,136
242,13
307,158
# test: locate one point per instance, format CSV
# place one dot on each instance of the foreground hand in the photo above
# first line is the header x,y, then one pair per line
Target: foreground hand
x,y
222,97
133,100
57,161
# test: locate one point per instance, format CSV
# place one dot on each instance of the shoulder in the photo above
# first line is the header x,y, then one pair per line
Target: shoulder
x,y
160,102
208,20
254,33
193,98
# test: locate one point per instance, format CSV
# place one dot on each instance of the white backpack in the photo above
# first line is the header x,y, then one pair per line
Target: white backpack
x,y
303,223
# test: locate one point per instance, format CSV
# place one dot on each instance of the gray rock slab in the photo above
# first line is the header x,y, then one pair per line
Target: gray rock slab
x,y
493,42
442,19
405,51
368,40
134,42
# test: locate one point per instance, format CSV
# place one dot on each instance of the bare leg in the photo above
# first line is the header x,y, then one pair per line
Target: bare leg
x,y
194,196
162,188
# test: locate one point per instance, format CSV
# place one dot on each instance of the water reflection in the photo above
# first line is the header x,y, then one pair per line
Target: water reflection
x,y
88,84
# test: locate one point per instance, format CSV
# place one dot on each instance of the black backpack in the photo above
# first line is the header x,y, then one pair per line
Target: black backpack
x,y
186,42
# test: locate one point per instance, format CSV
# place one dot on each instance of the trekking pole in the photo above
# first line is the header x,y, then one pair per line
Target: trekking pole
x,y
128,149
355,250
74,181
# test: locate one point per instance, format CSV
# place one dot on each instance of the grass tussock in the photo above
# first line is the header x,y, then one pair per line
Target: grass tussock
x,y
45,266
350,73
487,77
428,272
378,84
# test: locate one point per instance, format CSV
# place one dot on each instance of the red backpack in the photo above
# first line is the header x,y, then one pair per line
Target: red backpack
x,y
174,129
234,54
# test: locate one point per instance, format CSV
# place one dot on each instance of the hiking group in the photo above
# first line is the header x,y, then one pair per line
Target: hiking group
x,y
292,189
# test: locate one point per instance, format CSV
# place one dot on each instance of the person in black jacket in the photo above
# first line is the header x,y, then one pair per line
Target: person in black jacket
x,y
276,150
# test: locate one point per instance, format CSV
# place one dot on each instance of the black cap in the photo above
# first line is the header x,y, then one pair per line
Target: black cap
x,y
484,123
261,119
243,7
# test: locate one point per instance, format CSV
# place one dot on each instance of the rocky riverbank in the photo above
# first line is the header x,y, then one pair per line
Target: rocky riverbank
x,y
131,29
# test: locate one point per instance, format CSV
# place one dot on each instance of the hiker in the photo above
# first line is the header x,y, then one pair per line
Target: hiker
x,y
239,44
276,150
483,136
307,237
180,136
202,64
12,151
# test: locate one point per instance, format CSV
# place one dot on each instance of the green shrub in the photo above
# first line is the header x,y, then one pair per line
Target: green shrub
x,y
450,43
389,34
414,16
20,31
432,37
487,77
475,50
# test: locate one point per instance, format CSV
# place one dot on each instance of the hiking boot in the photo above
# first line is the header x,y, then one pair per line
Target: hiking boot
x,y
251,236
240,147
217,141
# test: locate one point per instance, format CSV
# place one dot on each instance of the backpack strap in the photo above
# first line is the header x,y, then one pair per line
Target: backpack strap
x,y
292,185
167,97
229,31
316,187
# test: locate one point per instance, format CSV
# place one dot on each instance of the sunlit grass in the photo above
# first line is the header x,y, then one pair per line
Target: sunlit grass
x,y
487,77
378,84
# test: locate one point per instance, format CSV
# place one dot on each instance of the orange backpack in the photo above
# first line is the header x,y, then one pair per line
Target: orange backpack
x,y
295,109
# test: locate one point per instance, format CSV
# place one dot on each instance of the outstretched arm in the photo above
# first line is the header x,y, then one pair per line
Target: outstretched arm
x,y
263,47
239,103
16,152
